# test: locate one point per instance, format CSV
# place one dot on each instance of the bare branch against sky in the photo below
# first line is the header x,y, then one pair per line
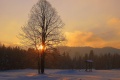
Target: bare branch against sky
x,y
43,27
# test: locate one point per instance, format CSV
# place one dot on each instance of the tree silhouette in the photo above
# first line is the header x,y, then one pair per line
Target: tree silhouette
x,y
44,27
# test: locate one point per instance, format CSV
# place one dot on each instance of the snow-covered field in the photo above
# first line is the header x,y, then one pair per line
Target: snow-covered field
x,y
29,74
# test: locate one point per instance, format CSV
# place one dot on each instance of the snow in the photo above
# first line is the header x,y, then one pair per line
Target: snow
x,y
51,74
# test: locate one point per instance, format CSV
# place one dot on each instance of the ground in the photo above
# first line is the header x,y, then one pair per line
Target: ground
x,y
30,74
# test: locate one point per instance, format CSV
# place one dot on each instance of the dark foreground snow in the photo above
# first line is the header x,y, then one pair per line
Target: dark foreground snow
x,y
29,74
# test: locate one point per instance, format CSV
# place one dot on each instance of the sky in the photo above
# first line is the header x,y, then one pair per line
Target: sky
x,y
94,23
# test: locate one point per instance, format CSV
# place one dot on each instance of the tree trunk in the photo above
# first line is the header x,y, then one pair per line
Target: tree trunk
x,y
39,62
42,61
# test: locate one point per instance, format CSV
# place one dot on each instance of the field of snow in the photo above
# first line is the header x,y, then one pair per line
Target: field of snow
x,y
29,74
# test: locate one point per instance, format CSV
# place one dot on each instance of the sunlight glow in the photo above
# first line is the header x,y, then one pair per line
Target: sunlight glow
x,y
40,47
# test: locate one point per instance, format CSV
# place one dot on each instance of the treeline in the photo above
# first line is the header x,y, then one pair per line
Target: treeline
x,y
100,61
16,58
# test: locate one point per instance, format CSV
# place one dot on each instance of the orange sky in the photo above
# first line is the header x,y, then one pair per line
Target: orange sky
x,y
93,23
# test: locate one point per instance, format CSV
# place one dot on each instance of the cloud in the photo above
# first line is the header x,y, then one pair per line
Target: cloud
x,y
108,29
78,38
114,26
115,44
113,22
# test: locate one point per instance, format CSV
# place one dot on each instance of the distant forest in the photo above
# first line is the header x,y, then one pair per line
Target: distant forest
x,y
16,58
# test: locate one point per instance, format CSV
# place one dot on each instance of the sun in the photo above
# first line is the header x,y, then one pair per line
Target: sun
x,y
40,47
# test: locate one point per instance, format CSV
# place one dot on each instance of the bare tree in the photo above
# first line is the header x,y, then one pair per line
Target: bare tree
x,y
44,27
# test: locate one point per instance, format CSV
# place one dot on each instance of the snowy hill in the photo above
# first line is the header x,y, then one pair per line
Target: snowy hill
x,y
29,74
